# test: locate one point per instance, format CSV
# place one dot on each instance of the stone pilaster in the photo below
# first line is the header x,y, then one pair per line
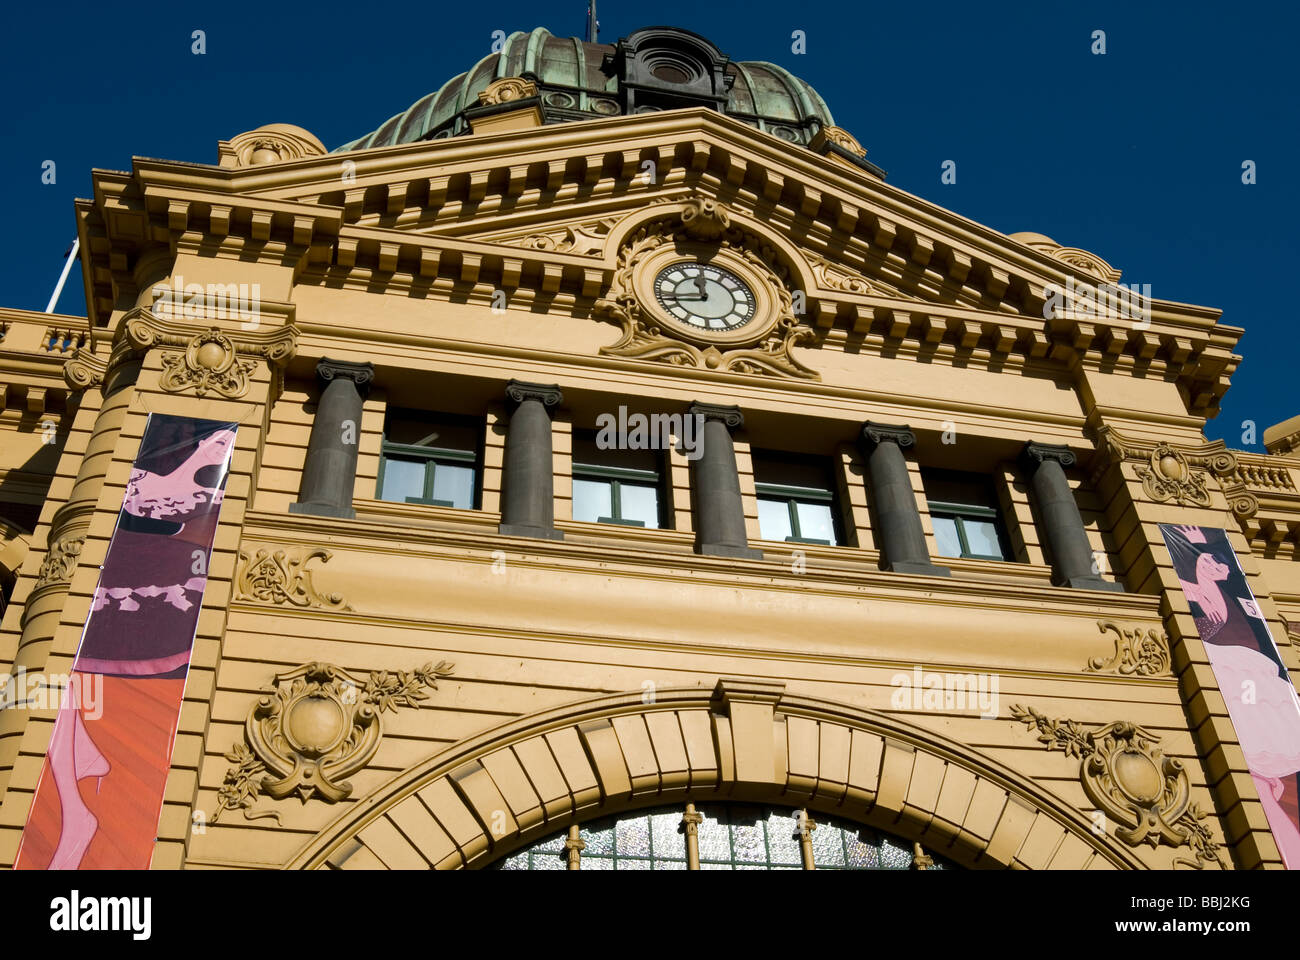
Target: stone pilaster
x,y
163,366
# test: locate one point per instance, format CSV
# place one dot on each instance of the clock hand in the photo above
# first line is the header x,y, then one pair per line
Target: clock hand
x,y
699,285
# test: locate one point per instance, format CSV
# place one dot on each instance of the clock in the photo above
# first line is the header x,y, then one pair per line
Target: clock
x,y
706,297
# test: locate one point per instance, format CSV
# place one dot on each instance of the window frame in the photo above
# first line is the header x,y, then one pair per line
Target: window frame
x,y
430,458
616,477
792,496
958,512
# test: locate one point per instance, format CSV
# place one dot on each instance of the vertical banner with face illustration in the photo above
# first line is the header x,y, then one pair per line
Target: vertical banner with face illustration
x,y
1261,699
101,790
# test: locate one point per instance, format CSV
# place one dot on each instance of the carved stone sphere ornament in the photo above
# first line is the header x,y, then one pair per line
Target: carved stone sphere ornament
x,y
317,725
506,90
210,363
1127,776
1169,476
273,143
693,290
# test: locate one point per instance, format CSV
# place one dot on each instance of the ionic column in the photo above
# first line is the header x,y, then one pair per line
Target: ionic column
x,y
330,472
528,500
720,511
902,538
1072,556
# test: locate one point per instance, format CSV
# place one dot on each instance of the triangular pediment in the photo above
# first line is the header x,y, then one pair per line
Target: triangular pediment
x,y
544,209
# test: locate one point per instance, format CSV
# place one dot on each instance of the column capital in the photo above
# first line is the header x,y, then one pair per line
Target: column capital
x,y
548,395
874,434
729,416
1036,454
360,374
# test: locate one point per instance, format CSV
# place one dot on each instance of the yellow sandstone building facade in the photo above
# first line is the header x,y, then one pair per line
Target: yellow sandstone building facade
x,y
627,476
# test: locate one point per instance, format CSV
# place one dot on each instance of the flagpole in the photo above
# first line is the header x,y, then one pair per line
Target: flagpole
x,y
63,277
593,27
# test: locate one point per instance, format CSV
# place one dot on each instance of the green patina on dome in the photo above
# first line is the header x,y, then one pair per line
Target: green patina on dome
x,y
576,83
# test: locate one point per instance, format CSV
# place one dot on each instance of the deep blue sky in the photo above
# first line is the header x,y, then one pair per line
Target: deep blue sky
x,y
1135,155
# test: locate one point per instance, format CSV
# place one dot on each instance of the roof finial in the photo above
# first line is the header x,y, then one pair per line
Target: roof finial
x,y
593,25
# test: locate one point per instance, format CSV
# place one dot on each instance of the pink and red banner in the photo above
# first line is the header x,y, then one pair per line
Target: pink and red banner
x,y
1261,699
101,790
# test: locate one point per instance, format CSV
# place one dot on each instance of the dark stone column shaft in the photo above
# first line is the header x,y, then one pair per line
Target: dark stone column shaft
x,y
719,509
1063,526
528,498
901,536
330,470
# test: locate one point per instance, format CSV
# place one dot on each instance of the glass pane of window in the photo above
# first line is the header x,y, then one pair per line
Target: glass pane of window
x,y
454,483
444,432
955,486
731,837
982,537
639,502
591,500
815,522
402,479
773,519
945,536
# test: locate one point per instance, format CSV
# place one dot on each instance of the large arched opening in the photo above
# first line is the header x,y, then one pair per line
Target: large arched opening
x,y
745,743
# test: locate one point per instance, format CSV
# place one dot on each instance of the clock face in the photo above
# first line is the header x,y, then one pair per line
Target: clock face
x,y
704,296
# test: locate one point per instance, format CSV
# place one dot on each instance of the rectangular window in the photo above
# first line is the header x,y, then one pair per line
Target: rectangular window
x,y
616,486
964,511
796,499
431,459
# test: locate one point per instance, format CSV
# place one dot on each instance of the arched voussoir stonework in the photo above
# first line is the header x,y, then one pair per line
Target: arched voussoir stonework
x,y
746,741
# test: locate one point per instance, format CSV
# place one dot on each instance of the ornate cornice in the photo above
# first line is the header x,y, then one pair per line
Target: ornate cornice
x,y
1125,772
992,305
211,360
1139,651
1166,470
548,395
874,434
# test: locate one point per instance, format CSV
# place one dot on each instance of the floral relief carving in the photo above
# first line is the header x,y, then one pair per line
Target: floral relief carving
x,y
209,363
1137,653
1126,774
1168,476
837,278
281,576
1167,471
211,360
60,561
580,239
317,725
